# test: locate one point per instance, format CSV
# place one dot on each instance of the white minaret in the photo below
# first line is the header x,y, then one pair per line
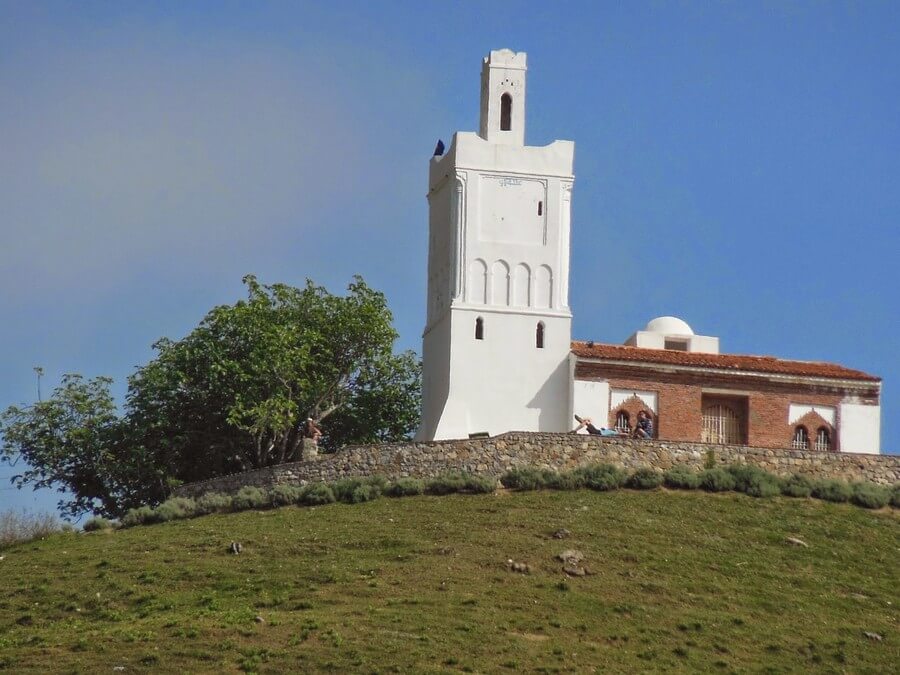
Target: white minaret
x,y
498,331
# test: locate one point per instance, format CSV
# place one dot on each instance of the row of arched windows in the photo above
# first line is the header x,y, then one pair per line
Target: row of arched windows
x,y
538,332
504,288
801,439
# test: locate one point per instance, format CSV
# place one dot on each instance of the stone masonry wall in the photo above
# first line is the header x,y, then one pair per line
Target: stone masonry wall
x,y
494,456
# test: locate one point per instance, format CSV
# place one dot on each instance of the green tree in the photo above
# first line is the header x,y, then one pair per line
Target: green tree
x,y
233,394
76,440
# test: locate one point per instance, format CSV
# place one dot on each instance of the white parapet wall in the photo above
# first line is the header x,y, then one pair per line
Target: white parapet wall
x,y
860,428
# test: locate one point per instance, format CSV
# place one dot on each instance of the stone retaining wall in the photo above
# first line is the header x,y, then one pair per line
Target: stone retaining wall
x,y
496,455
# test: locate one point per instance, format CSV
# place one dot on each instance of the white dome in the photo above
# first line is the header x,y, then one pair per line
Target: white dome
x,y
669,325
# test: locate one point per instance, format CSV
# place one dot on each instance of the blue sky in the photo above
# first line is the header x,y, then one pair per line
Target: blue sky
x,y
736,165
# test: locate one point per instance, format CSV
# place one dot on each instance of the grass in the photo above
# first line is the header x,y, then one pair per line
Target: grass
x,y
680,581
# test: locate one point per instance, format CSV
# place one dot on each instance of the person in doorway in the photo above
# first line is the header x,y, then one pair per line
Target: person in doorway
x,y
586,423
644,428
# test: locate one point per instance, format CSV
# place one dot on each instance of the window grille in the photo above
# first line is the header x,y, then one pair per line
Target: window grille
x,y
721,425
823,440
623,421
801,439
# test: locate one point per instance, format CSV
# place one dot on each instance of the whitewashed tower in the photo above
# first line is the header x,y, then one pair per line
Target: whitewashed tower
x,y
498,331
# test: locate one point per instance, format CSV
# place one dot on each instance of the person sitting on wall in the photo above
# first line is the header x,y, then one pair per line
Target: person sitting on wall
x,y
585,423
312,430
644,428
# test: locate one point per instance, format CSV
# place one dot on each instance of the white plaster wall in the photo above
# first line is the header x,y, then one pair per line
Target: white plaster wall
x,y
704,344
860,428
618,396
504,382
827,413
435,375
590,399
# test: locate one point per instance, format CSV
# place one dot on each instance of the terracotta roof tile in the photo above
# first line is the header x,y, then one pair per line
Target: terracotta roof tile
x,y
757,364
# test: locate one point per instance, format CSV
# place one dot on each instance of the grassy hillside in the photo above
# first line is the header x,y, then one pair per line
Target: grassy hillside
x,y
679,581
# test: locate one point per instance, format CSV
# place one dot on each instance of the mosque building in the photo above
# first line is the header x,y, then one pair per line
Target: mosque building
x,y
497,348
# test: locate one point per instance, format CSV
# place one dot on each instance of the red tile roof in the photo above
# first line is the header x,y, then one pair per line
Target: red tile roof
x,y
756,364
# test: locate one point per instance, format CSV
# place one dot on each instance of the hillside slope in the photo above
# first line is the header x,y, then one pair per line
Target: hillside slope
x,y
677,581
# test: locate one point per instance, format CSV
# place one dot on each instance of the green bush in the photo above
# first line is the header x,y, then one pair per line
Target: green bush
x,y
524,478
285,495
317,494
870,496
710,461
175,508
445,484
564,480
895,496
98,523
682,477
601,476
716,480
143,515
644,478
250,497
405,487
213,502
754,481
456,481
797,485
356,490
481,485
832,491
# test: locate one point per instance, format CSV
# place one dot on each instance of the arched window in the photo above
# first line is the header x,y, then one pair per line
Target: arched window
x,y
823,440
539,335
801,439
505,112
479,328
623,421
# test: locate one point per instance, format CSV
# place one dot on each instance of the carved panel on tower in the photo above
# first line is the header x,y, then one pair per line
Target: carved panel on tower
x,y
476,288
513,210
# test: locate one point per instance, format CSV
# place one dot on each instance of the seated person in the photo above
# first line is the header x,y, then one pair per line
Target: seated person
x,y
585,423
312,430
644,428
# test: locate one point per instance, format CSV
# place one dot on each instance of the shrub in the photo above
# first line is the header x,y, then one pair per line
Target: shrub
x,y
213,502
456,481
356,490
797,485
601,476
175,508
645,478
870,496
716,480
285,495
143,515
682,477
564,480
482,485
405,487
98,523
524,478
250,497
895,496
710,461
832,491
754,481
20,527
364,493
316,494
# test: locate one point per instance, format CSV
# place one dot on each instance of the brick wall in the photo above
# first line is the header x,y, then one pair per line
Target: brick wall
x,y
494,456
680,401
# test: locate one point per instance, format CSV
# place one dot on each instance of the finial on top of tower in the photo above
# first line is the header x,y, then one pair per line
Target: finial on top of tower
x,y
503,97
